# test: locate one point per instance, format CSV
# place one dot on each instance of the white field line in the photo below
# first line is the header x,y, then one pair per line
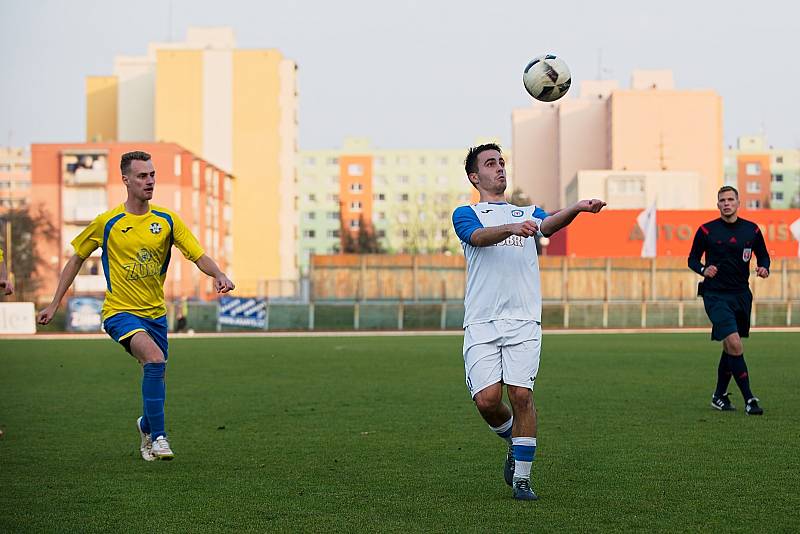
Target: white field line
x,y
397,333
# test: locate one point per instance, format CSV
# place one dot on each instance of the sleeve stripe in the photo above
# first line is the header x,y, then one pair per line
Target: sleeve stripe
x,y
104,256
171,238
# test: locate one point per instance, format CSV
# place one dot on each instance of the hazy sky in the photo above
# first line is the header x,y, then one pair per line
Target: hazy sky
x,y
412,73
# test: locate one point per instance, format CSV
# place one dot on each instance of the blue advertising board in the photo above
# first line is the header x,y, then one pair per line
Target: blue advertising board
x,y
84,314
242,312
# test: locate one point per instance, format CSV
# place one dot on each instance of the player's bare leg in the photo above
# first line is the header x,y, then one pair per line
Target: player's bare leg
x,y
732,345
497,414
145,350
524,440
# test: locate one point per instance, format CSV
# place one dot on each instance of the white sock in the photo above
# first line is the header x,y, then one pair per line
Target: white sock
x,y
524,452
504,430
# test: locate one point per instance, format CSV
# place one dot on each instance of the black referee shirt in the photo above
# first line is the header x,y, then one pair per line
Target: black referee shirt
x,y
729,246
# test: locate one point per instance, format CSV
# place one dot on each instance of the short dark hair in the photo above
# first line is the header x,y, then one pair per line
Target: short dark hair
x,y
471,163
127,157
727,188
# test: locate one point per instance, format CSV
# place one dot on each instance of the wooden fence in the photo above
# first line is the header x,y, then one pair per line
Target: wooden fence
x,y
376,277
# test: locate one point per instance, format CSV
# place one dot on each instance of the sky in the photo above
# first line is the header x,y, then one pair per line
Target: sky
x,y
413,73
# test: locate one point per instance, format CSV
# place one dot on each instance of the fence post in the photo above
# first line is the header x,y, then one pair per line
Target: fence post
x,y
400,312
356,315
605,314
608,279
443,318
652,279
644,306
266,313
564,279
566,314
311,315
784,281
414,276
362,278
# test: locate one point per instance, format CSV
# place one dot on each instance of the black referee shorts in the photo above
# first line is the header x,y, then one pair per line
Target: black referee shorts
x,y
729,313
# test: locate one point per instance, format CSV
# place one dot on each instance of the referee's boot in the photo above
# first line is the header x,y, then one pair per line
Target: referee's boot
x,y
752,407
722,402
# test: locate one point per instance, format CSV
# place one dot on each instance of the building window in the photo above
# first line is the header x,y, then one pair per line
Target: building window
x,y
380,161
443,161
752,169
354,224
753,187
777,177
753,204
404,233
778,159
311,215
381,233
402,179
355,206
422,179
333,215
310,161
777,195
177,165
355,169
312,197
380,196
421,197
441,180
402,217
309,233
333,233
356,187
332,161
445,234
404,197
335,179
402,160
381,215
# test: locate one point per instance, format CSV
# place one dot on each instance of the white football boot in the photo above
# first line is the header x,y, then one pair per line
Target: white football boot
x,y
161,449
145,443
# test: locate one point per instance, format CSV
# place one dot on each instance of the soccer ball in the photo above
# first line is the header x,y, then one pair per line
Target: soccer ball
x,y
547,78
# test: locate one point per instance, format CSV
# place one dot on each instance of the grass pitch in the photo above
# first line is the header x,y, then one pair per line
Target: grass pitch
x,y
379,434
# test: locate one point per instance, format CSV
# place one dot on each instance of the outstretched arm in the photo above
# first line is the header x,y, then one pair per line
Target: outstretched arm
x,y
562,218
6,285
486,237
222,283
68,275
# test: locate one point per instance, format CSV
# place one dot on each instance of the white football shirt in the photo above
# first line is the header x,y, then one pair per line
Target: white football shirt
x,y
503,279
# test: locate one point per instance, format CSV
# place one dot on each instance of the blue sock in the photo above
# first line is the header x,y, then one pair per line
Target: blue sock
x,y
524,452
145,423
504,430
153,394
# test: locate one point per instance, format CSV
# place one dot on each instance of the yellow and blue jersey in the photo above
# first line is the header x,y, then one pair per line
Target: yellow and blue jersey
x,y
136,254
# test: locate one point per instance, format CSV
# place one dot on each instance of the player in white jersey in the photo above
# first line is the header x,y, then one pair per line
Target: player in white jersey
x,y
503,306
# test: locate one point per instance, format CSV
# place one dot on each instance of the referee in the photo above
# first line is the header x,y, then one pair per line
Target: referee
x,y
728,244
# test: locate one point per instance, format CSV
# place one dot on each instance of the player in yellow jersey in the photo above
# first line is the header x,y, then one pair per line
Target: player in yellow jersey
x,y
6,285
137,238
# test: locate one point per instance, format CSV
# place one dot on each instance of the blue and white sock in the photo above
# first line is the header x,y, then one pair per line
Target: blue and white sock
x,y
504,430
524,452
153,395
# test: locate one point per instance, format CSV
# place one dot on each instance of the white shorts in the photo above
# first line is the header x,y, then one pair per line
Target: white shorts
x,y
502,351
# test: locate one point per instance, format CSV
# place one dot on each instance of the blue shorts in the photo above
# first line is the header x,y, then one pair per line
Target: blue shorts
x,y
729,313
122,326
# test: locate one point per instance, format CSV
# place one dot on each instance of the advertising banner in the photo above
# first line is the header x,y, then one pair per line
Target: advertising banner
x,y
242,312
17,318
83,314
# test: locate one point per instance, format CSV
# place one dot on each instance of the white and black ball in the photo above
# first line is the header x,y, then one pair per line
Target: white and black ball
x,y
547,78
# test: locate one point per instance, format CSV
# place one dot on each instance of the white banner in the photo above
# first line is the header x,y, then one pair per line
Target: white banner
x,y
17,318
647,222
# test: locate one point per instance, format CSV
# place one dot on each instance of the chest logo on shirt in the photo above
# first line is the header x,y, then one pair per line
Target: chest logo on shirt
x,y
146,265
747,254
155,228
516,213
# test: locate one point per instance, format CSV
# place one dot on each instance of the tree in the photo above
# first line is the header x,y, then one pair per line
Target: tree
x,y
28,228
364,242
518,198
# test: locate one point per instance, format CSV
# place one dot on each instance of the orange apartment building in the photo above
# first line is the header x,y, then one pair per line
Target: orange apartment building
x,y
76,182
355,192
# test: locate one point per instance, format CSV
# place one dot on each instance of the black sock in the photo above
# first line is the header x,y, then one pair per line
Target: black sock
x,y
723,375
739,369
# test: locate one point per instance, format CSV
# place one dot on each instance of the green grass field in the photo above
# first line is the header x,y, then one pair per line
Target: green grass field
x,y
379,434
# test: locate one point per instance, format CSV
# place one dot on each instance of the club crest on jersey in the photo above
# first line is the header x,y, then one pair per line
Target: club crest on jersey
x,y
747,254
155,228
516,213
